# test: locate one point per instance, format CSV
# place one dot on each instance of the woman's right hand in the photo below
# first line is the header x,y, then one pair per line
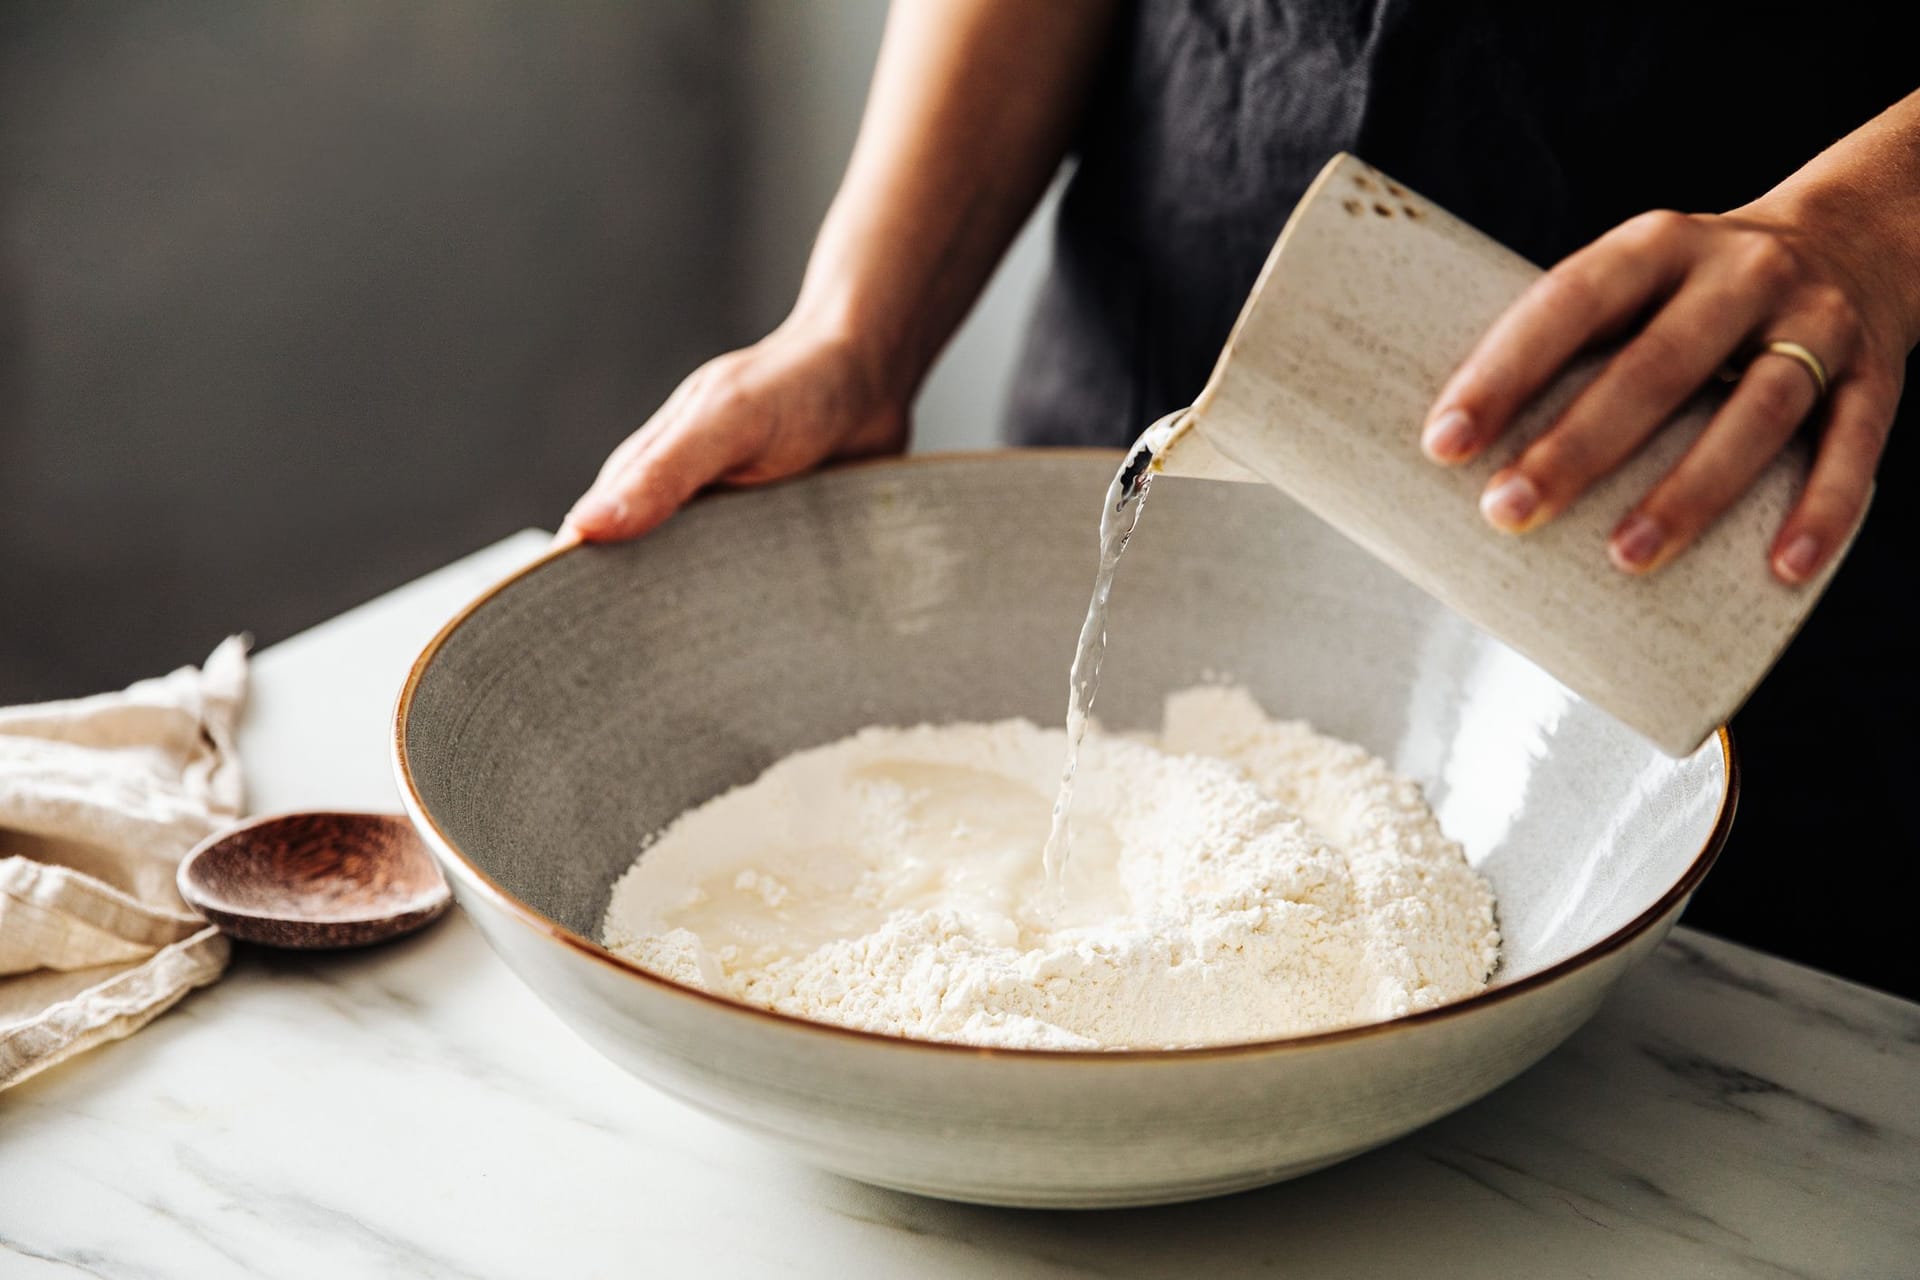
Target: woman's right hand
x,y
799,397
973,104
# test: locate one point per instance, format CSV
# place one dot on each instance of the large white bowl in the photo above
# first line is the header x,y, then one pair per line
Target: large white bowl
x,y
590,699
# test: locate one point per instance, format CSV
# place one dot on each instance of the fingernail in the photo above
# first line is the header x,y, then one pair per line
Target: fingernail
x,y
1800,558
1448,437
1635,543
1508,504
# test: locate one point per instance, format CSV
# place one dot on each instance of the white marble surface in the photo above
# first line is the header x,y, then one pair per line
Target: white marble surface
x,y
414,1111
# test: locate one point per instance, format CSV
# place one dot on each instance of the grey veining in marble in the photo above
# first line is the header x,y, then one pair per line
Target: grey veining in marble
x,y
412,1110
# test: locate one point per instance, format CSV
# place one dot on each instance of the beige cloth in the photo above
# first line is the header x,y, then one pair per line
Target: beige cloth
x,y
99,799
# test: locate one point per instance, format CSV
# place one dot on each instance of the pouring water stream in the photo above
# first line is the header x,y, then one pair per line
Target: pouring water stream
x,y
1126,499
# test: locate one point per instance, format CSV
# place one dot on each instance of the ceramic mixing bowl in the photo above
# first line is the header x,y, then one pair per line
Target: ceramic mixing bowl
x,y
590,699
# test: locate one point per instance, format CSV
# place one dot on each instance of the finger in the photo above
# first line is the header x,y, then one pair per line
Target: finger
x,y
1771,401
1841,480
1587,296
627,451
601,513
682,458
1640,388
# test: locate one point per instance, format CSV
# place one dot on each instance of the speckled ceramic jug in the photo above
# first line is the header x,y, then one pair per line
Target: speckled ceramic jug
x,y
1369,300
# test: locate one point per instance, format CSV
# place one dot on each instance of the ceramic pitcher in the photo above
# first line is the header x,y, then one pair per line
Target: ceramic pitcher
x,y
1369,300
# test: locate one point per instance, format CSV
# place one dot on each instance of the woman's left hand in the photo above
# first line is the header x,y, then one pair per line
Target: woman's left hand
x,y
1690,293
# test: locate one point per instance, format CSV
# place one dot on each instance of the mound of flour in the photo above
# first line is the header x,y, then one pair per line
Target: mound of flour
x,y
1235,878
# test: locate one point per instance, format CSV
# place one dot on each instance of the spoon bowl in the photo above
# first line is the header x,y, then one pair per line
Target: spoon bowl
x,y
315,881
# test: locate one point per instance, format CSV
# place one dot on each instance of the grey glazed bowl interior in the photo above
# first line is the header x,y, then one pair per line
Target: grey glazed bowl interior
x,y
589,700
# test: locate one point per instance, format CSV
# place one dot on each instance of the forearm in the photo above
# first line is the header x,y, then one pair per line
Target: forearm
x,y
972,107
1863,193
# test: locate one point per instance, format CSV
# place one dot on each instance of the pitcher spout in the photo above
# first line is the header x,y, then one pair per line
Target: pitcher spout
x,y
1181,448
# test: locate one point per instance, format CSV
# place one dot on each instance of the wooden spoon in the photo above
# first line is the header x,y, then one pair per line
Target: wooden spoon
x,y
316,880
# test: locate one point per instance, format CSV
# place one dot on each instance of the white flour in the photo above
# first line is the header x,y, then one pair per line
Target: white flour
x,y
1235,879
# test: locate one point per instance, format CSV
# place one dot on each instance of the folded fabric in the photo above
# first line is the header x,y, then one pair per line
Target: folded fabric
x,y
99,799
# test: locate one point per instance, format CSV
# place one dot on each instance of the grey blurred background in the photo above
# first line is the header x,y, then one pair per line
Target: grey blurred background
x,y
299,301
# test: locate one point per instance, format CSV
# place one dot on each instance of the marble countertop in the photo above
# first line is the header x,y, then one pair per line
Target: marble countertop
x,y
413,1111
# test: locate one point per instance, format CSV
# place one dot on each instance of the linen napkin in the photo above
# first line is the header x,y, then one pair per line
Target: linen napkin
x,y
99,799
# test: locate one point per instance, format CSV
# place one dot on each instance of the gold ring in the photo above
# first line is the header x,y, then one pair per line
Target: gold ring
x,y
1805,359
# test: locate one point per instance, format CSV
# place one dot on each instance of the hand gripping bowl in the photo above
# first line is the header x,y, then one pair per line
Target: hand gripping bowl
x,y
589,700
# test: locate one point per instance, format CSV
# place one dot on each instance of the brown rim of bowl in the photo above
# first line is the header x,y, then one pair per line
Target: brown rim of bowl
x,y
484,884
